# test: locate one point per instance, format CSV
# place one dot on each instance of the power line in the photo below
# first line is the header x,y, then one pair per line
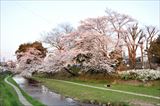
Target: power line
x,y
35,14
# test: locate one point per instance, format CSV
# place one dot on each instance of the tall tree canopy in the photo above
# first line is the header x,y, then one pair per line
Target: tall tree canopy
x,y
36,45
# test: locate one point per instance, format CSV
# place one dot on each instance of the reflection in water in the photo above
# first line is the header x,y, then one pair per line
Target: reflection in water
x,y
43,94
44,89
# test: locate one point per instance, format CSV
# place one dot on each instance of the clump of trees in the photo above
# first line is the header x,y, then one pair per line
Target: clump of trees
x,y
96,45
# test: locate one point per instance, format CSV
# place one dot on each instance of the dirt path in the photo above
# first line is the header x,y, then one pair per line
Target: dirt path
x,y
101,88
21,97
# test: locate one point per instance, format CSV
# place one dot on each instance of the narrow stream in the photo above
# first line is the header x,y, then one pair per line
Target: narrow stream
x,y
44,95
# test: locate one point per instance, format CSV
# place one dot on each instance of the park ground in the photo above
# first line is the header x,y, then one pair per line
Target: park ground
x,y
99,96
92,95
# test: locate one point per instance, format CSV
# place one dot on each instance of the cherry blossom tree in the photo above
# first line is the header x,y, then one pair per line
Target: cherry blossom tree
x,y
89,38
98,29
98,25
29,57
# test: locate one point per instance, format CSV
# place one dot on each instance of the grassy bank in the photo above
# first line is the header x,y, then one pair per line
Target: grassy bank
x,y
29,98
91,94
142,88
8,96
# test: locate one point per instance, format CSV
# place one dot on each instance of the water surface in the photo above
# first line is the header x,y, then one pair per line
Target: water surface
x,y
43,94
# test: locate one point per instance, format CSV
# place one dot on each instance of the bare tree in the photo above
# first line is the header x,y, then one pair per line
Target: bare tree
x,y
118,22
66,28
151,32
54,37
132,38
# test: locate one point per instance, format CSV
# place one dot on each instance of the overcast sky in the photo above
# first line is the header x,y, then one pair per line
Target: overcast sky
x,y
23,21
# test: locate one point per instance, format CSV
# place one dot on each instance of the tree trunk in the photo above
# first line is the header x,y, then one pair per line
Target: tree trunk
x,y
142,61
118,40
70,72
149,60
130,57
134,59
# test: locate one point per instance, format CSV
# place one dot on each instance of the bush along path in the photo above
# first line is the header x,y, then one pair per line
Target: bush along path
x,y
21,97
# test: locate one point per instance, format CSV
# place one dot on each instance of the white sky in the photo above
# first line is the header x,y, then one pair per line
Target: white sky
x,y
23,21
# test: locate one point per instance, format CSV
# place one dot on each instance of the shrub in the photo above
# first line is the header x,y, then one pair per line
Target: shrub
x,y
143,74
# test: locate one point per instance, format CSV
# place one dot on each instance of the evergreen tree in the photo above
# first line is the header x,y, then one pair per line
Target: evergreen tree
x,y
155,50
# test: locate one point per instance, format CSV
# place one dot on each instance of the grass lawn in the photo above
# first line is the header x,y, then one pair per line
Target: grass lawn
x,y
149,90
8,96
85,93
